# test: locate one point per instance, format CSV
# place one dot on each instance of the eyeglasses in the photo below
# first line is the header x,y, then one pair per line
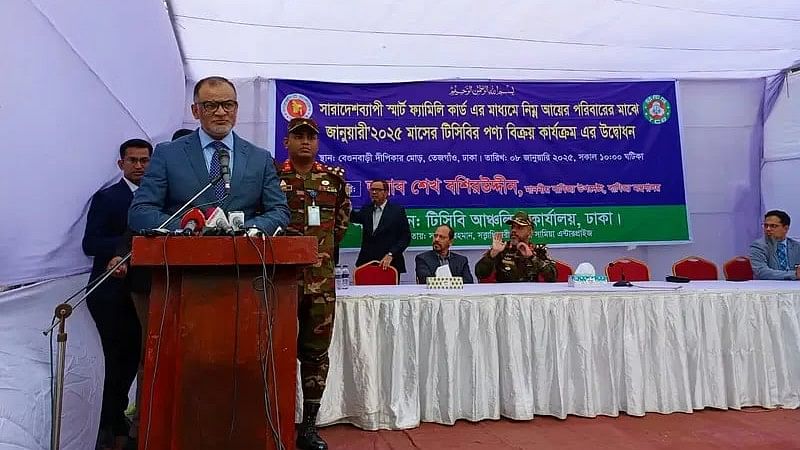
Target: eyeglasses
x,y
772,225
212,107
133,161
376,189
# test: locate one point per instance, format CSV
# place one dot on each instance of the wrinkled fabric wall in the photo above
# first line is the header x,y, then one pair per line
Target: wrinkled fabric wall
x,y
25,369
779,173
77,85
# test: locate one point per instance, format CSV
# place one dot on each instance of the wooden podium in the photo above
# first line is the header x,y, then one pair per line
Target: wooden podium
x,y
207,352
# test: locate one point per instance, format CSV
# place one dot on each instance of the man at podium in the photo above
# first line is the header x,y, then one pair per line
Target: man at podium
x,y
179,169
320,207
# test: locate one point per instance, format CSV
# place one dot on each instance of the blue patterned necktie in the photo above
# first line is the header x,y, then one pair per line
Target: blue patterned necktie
x,y
214,169
783,260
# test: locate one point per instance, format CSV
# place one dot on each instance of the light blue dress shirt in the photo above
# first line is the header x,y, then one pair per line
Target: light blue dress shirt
x,y
208,150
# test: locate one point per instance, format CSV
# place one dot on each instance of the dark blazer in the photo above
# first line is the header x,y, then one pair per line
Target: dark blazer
x,y
106,224
428,262
178,171
392,235
138,279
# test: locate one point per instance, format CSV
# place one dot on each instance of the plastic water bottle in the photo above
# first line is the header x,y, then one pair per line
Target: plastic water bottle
x,y
337,274
345,277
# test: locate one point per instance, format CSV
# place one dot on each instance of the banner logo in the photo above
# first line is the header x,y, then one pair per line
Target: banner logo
x,y
296,106
656,109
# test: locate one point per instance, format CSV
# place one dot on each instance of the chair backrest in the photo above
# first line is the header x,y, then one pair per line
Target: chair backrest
x,y
633,269
491,278
738,268
695,268
563,271
372,274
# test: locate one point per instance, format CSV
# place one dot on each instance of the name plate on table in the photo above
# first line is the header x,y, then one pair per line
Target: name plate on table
x,y
587,280
445,282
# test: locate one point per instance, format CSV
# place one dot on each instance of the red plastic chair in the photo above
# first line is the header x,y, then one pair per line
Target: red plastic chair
x,y
372,274
563,271
695,268
491,278
738,268
633,269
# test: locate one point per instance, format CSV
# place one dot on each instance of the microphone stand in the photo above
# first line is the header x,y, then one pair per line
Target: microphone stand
x,y
622,282
64,310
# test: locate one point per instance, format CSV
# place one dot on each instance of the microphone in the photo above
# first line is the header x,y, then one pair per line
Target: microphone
x,y
622,282
216,222
236,219
192,222
225,170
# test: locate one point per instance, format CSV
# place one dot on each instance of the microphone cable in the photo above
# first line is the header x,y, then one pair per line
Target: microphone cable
x,y
266,348
235,340
158,346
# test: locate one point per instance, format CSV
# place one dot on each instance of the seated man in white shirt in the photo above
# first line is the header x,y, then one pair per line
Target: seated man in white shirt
x,y
775,256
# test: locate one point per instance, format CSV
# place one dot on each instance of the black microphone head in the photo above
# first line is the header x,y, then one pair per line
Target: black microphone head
x,y
224,159
224,169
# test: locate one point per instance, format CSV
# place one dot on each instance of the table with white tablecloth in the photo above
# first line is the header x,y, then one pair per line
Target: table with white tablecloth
x,y
402,355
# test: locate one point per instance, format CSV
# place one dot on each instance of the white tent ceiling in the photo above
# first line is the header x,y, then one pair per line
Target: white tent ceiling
x,y
391,40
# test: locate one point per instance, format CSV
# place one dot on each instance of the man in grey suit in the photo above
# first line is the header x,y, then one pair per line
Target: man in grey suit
x,y
429,261
181,168
775,256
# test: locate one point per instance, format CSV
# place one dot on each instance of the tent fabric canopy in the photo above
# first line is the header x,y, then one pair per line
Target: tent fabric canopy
x,y
371,41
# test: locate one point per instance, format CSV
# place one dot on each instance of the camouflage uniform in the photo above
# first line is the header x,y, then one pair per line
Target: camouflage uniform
x,y
510,265
324,187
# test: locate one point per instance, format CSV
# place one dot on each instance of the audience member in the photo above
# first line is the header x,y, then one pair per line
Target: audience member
x,y
775,256
428,262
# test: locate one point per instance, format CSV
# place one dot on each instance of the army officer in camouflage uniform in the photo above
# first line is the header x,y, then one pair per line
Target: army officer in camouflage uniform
x,y
320,206
518,259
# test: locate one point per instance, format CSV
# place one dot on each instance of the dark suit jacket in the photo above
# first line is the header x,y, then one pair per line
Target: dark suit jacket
x,y
428,262
178,171
392,235
106,224
138,279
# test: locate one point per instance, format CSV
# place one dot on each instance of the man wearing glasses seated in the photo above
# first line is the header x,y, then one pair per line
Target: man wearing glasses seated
x,y
775,256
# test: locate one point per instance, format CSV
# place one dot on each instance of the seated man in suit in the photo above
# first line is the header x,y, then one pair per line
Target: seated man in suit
x,y
182,168
110,304
428,262
518,260
775,256
385,233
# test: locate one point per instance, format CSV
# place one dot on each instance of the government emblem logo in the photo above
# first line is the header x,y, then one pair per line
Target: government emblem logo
x,y
296,106
656,109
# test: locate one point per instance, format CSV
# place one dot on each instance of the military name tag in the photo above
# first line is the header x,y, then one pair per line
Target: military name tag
x,y
313,216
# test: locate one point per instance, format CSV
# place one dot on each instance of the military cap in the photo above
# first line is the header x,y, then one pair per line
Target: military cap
x,y
520,218
299,122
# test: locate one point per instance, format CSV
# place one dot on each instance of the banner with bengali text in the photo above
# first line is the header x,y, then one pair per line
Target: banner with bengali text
x,y
594,163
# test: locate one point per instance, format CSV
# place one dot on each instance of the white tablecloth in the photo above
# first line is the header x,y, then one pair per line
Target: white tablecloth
x,y
405,354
